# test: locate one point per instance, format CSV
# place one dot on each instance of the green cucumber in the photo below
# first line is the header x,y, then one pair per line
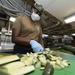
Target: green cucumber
x,y
69,48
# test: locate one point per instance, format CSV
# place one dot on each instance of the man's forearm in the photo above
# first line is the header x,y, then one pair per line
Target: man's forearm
x,y
20,41
41,42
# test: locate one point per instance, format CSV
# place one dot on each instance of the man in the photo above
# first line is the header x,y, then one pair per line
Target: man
x,y
27,33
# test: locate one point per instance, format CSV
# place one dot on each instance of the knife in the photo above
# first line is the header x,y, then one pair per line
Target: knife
x,y
49,70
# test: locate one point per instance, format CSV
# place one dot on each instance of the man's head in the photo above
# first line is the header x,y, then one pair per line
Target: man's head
x,y
37,10
38,7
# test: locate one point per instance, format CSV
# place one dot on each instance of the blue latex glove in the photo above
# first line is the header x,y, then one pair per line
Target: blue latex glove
x,y
36,46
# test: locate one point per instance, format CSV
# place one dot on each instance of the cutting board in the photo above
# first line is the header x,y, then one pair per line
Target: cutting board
x,y
70,70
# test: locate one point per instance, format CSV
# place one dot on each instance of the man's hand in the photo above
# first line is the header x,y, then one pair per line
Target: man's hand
x,y
37,47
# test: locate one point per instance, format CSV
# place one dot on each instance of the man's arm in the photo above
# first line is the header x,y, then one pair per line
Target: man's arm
x,y
41,40
17,39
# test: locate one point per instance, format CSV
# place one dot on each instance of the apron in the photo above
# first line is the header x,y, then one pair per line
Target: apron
x,y
22,49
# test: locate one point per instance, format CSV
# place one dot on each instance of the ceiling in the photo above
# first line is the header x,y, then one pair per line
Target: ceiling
x,y
59,8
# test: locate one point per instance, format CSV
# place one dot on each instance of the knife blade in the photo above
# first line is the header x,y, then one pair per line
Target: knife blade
x,y
49,70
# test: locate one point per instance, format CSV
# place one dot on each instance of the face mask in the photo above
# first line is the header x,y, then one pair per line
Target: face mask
x,y
35,17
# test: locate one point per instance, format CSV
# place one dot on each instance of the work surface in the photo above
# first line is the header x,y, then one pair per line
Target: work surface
x,y
66,71
70,70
